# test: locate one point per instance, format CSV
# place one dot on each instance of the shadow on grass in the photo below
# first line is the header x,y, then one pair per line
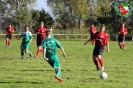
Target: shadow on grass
x,y
39,70
22,82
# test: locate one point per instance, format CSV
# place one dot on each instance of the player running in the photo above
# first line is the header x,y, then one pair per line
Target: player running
x,y
100,39
9,31
49,46
92,31
26,39
41,31
121,38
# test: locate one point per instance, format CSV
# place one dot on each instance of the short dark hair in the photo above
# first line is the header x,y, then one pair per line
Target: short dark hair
x,y
47,32
102,25
26,26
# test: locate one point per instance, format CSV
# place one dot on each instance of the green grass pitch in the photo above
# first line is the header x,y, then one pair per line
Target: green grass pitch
x,y
78,70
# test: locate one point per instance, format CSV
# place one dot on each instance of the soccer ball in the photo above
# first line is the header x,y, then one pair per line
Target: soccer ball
x,y
103,75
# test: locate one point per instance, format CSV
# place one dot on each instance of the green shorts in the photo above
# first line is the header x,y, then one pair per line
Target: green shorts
x,y
25,46
54,61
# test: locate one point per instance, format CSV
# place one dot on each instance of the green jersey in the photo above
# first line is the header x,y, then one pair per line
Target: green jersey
x,y
50,45
26,36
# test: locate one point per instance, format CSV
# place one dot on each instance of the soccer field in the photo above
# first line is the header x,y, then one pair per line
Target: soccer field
x,y
78,70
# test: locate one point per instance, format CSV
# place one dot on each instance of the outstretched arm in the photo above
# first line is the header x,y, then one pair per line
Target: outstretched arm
x,y
87,41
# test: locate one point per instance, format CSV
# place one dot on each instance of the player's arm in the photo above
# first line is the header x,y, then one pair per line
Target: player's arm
x,y
92,40
12,30
7,30
107,43
64,54
125,31
59,46
44,51
44,54
87,41
36,31
31,37
119,31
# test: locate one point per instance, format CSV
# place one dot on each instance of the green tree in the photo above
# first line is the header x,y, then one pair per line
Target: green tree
x,y
41,15
18,11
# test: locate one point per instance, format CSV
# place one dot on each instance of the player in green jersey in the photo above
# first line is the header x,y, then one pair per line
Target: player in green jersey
x,y
49,46
26,36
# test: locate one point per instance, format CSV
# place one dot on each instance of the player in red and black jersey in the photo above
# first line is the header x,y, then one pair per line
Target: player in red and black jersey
x,y
41,31
122,32
9,31
92,30
100,39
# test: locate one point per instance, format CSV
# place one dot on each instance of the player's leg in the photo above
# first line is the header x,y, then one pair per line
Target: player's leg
x,y
91,38
123,44
58,74
95,60
22,47
27,49
119,42
101,62
120,45
39,46
7,40
22,53
57,68
99,56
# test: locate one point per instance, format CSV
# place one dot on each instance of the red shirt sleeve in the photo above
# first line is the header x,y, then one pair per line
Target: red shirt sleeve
x,y
125,30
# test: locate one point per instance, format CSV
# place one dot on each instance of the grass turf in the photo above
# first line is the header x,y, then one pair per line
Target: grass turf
x,y
78,70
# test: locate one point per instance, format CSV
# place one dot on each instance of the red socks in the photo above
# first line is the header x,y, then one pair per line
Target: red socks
x,y
96,62
38,52
101,62
7,43
120,46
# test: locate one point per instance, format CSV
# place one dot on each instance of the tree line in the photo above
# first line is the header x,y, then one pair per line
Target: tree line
x,y
74,13
20,13
69,14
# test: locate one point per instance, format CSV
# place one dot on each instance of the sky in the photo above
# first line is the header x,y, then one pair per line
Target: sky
x,y
43,4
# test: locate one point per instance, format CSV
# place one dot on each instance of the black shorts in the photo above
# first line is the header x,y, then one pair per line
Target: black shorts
x,y
98,50
121,39
39,42
9,36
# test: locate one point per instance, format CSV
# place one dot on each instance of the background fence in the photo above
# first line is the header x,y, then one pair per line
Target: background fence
x,y
70,37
